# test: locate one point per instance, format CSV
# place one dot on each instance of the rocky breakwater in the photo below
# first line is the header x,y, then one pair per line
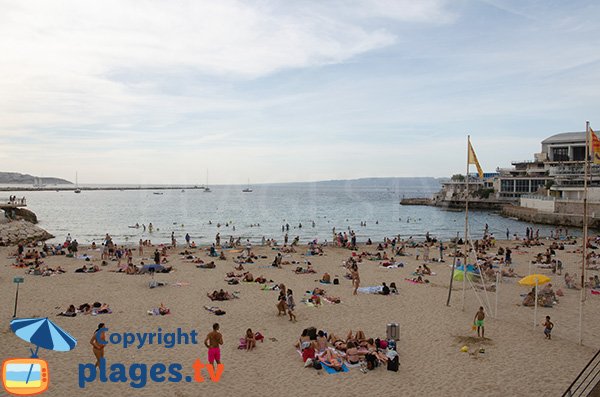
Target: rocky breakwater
x,y
21,231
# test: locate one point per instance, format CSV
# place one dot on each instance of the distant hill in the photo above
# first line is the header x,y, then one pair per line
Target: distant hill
x,y
26,179
392,183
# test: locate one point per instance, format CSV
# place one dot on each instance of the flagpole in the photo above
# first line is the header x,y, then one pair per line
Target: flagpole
x,y
453,266
585,228
465,246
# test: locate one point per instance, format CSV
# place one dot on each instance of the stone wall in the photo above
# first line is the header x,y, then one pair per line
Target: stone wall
x,y
15,232
532,215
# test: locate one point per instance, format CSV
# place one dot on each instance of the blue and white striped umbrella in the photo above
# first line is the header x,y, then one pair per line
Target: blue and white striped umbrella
x,y
43,333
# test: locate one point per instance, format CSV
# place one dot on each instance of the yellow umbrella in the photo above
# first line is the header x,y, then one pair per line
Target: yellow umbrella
x,y
534,279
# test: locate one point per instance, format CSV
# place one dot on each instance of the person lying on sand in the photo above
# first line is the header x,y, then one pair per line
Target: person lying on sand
x,y
332,359
220,295
70,312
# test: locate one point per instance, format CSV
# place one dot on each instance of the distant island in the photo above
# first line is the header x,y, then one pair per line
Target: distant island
x,y
26,179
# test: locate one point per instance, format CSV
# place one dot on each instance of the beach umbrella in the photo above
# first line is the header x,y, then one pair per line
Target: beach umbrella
x,y
42,333
459,275
534,280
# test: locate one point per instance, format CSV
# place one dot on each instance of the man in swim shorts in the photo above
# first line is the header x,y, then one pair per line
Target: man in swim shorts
x,y
478,321
213,340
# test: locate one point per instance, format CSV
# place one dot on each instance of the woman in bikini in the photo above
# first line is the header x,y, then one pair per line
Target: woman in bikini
x,y
97,346
352,353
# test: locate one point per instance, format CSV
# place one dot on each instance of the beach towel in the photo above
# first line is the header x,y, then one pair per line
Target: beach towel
x,y
331,370
370,290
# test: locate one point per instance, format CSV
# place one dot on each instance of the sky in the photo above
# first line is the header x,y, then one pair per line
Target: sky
x,y
151,91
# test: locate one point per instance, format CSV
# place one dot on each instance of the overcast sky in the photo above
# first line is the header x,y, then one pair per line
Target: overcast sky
x,y
160,91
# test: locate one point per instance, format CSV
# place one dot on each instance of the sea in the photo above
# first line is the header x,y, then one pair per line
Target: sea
x,y
311,210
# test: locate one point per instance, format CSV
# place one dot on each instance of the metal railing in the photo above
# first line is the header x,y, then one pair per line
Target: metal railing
x,y
538,197
587,379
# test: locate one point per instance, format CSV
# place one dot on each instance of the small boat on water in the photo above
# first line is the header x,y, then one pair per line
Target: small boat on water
x,y
206,188
77,189
247,190
159,193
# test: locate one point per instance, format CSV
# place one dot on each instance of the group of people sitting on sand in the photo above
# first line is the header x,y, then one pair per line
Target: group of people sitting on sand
x,y
320,348
38,270
85,308
220,295
247,277
546,296
88,269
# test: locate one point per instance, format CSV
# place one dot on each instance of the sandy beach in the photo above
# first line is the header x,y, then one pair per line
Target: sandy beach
x,y
518,360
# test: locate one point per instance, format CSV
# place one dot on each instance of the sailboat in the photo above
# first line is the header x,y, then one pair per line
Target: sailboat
x,y
247,190
206,188
77,189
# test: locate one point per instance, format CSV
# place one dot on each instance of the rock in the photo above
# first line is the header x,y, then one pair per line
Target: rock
x,y
29,216
15,232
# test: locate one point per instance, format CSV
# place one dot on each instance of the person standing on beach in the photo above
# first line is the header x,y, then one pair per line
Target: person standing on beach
x,y
355,279
291,305
478,321
213,341
548,325
97,346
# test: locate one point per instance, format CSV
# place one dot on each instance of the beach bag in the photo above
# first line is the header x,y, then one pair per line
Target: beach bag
x,y
336,281
259,337
317,365
393,364
393,331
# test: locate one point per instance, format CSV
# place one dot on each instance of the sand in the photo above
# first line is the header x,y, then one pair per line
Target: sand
x,y
518,361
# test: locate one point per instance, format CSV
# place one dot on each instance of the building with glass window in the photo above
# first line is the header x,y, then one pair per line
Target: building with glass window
x,y
559,167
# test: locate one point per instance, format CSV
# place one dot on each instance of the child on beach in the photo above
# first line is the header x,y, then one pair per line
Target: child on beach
x,y
548,325
478,321
250,340
291,305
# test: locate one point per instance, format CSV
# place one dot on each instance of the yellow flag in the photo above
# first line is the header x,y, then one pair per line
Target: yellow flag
x,y
473,160
595,143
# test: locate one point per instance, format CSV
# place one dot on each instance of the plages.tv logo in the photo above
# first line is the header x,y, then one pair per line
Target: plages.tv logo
x,y
31,376
137,374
